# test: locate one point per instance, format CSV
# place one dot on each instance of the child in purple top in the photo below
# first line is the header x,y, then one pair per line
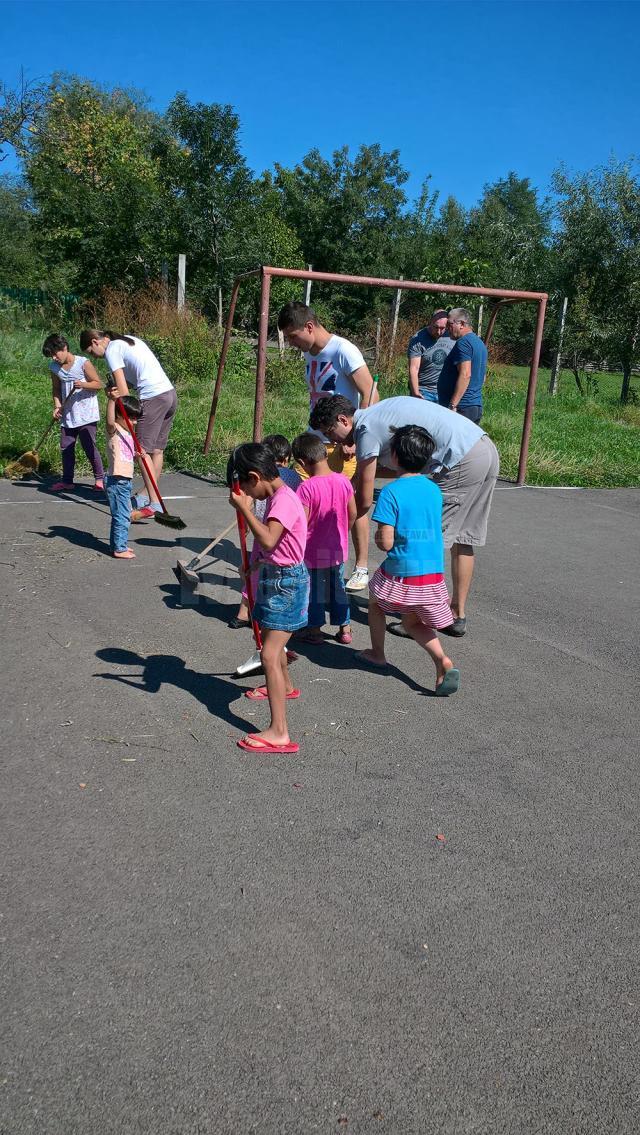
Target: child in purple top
x,y
330,506
283,582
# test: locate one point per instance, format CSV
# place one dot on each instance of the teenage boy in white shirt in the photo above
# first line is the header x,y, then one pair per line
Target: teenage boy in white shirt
x,y
333,365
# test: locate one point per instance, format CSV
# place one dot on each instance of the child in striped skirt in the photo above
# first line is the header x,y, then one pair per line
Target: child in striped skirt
x,y
411,580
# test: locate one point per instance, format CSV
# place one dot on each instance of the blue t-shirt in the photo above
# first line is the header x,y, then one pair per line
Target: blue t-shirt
x,y
413,507
468,347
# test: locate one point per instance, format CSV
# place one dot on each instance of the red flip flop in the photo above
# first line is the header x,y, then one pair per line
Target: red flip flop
x,y
252,743
260,694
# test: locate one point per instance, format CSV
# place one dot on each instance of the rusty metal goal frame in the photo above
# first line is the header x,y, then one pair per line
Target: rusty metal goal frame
x,y
502,296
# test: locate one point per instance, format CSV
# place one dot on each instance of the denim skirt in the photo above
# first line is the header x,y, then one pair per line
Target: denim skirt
x,y
282,599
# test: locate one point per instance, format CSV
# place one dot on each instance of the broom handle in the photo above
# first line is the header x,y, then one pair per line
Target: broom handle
x,y
138,449
242,533
52,423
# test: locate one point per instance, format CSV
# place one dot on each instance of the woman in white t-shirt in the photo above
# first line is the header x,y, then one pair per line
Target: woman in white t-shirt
x,y
133,364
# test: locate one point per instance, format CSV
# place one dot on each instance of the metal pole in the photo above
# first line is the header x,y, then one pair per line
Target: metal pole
x,y
307,287
480,314
262,356
555,369
221,363
531,393
396,313
182,279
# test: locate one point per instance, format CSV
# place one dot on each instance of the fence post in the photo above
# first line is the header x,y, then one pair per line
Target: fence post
x,y
182,279
396,312
480,314
555,369
220,308
378,337
307,287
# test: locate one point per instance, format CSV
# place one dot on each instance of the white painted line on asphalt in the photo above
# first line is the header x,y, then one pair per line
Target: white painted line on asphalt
x,y
178,498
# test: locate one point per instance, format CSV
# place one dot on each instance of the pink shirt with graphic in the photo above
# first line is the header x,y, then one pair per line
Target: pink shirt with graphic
x,y
285,507
327,499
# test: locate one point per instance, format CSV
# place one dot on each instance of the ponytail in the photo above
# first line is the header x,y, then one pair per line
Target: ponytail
x,y
87,337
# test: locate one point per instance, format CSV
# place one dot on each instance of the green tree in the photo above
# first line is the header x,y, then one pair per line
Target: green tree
x,y
95,185
347,213
598,255
211,185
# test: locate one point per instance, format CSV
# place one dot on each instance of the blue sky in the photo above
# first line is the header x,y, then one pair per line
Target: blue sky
x,y
465,91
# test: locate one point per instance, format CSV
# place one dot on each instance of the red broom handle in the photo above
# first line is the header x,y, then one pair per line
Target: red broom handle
x,y
242,533
138,449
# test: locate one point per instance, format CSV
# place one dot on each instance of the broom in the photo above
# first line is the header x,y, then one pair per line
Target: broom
x,y
165,517
29,462
187,573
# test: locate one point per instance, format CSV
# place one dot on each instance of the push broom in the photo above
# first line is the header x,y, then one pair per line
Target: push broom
x,y
165,517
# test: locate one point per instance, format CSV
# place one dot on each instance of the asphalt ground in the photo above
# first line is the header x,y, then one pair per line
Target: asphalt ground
x,y
427,922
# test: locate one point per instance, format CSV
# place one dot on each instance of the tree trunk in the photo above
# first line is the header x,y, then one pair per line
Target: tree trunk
x,y
626,382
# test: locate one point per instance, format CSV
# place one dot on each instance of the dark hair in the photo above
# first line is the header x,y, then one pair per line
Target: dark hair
x,y
90,333
326,411
132,405
279,446
52,344
252,457
309,447
294,315
412,447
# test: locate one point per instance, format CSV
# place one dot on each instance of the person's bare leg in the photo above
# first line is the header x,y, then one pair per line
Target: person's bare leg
x,y
462,564
360,537
377,630
278,682
427,638
157,461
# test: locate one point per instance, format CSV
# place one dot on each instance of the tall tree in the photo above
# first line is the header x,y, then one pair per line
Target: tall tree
x,y
347,213
598,241
95,184
212,185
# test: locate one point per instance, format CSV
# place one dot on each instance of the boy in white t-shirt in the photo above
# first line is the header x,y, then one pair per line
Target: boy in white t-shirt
x,y
75,383
333,365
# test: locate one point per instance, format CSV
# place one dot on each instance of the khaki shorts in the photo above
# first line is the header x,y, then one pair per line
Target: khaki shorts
x,y
155,423
338,463
467,490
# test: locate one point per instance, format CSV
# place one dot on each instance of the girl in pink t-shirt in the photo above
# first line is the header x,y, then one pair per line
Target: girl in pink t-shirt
x,y
330,507
283,583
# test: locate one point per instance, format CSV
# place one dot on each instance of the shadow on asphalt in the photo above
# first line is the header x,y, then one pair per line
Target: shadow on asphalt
x,y
213,692
77,536
80,494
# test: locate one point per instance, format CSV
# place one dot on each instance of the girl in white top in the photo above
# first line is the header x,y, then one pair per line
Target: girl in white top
x,y
75,383
133,364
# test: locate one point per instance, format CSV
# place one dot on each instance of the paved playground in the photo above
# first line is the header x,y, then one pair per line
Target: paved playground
x,y
426,923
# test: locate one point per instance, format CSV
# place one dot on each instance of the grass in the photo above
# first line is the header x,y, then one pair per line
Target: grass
x,y
591,441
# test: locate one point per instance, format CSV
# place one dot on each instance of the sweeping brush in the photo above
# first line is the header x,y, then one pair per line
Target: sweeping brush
x,y
29,462
165,517
186,573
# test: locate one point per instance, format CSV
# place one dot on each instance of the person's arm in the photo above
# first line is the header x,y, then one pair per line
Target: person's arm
x,y
120,389
414,370
462,382
92,380
111,417
267,534
363,381
56,391
365,484
352,511
385,537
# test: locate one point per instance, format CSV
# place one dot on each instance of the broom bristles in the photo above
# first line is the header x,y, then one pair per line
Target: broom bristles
x,y
28,463
169,521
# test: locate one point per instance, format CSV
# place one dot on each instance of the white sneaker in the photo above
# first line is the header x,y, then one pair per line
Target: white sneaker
x,y
359,580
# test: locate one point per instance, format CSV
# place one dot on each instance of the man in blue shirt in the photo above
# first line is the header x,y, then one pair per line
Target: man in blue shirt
x,y
465,367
